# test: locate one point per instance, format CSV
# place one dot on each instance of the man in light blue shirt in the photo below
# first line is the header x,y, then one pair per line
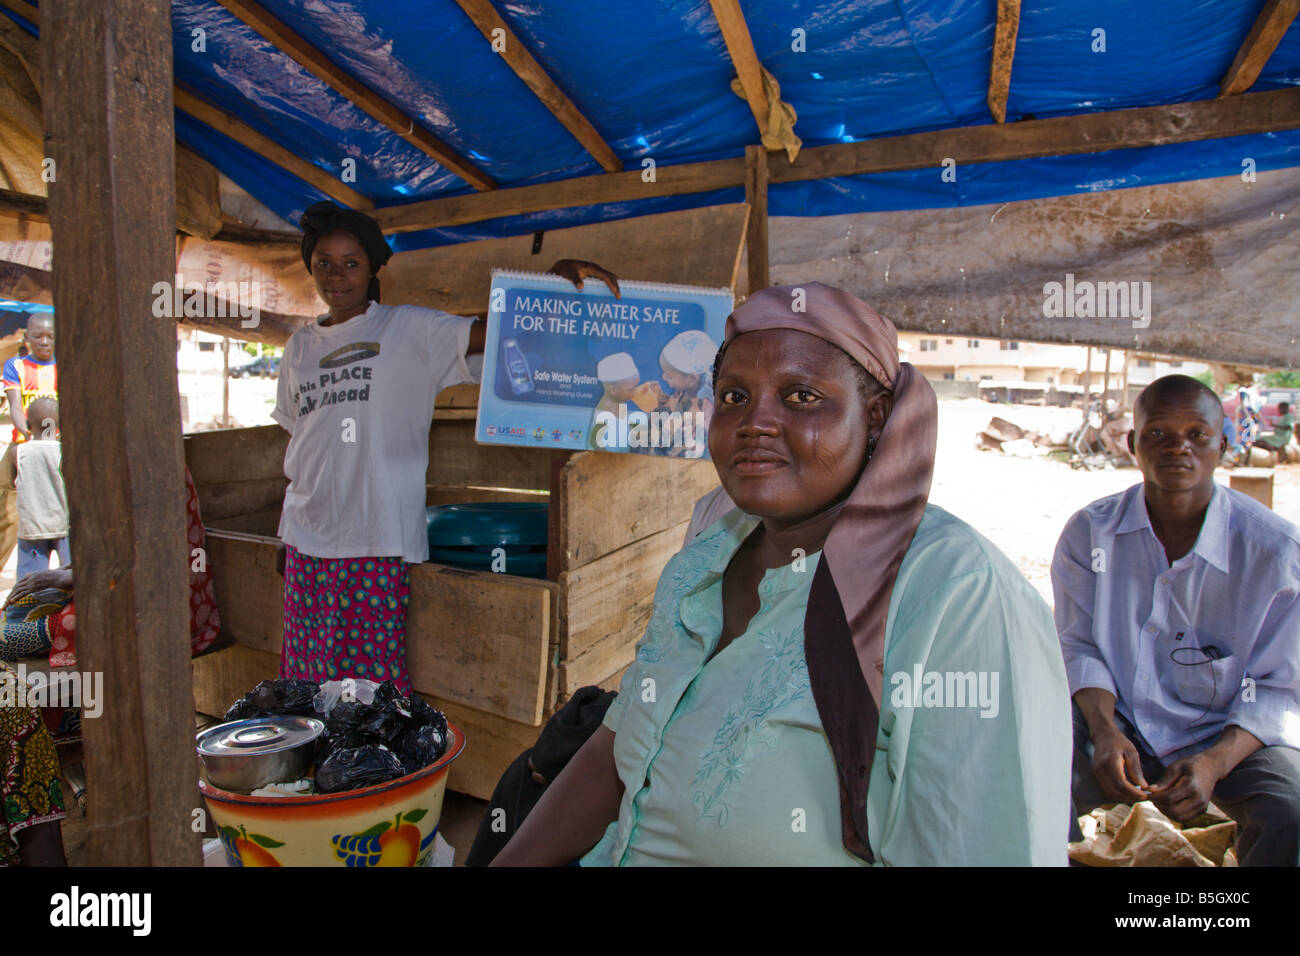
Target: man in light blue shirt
x,y
1178,610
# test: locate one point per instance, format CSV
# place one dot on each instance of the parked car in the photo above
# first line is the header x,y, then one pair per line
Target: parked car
x,y
268,366
1271,396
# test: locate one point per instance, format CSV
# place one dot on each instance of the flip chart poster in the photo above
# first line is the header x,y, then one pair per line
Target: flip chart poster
x,y
584,370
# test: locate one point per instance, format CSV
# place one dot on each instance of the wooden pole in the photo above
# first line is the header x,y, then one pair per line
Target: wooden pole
x,y
225,381
1105,381
107,77
1123,400
1087,379
756,196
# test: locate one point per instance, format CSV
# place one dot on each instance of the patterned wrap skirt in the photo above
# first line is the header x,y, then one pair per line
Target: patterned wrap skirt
x,y
30,788
345,617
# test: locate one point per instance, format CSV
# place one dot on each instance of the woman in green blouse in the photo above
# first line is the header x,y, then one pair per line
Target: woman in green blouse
x,y
837,672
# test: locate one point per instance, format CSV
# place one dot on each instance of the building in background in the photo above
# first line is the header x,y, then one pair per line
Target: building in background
x,y
1008,363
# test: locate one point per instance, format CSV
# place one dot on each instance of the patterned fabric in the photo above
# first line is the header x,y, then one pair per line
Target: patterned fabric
x,y
30,788
29,621
205,621
345,617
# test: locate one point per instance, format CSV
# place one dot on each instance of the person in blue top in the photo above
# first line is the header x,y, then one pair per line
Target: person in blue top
x,y
836,672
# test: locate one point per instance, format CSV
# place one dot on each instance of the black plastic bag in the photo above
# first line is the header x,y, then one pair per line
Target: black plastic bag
x,y
388,722
421,746
355,767
276,698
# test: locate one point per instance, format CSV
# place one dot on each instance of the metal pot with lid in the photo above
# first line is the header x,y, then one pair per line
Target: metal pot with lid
x,y
243,755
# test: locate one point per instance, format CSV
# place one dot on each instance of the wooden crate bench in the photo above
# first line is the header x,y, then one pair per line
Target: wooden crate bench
x,y
497,653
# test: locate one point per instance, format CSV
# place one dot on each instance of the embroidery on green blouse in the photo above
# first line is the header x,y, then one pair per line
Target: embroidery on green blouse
x,y
782,680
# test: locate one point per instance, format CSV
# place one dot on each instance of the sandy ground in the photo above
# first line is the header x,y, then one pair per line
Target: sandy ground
x,y
1021,505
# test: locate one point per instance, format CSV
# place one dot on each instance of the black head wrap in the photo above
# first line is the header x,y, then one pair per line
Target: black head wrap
x,y
322,218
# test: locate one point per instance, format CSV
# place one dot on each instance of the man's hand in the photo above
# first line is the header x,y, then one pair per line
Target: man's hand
x,y
280,553
1117,766
39,581
1184,791
575,270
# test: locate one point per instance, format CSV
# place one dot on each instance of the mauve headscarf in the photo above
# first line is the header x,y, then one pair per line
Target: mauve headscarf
x,y
324,217
844,626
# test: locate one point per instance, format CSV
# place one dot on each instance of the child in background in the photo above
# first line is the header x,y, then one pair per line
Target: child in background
x,y
31,374
37,474
619,376
687,364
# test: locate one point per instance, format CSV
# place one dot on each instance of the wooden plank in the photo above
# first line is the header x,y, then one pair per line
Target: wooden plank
x,y
27,11
27,206
1004,52
756,197
491,745
264,524
272,328
1270,26
230,499
608,501
740,47
107,77
1058,136
535,77
268,149
480,639
458,396
580,191
491,742
198,197
458,278
605,606
314,61
455,459
222,677
456,494
249,591
236,454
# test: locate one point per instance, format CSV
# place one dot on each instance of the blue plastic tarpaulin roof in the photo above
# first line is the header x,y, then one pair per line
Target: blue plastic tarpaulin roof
x,y
654,79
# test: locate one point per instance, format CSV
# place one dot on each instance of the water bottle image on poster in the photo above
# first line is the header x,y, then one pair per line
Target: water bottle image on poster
x,y
574,369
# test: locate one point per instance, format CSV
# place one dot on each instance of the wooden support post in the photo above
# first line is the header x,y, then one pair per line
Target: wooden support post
x,y
756,196
1123,400
1087,379
225,381
1105,382
1004,52
107,76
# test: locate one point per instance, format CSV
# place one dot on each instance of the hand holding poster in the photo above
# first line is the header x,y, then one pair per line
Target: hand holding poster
x,y
582,369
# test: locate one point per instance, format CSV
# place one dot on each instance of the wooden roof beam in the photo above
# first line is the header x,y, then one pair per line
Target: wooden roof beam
x,y
245,135
740,47
23,206
268,149
1027,139
1270,26
1004,51
536,78
314,61
27,11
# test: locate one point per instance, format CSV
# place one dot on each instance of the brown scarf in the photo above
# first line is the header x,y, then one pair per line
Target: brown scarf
x,y
844,626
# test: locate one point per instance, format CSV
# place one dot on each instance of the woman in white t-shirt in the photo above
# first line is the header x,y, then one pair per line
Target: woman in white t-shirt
x,y
356,394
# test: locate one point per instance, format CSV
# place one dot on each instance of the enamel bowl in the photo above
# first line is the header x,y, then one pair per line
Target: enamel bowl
x,y
389,824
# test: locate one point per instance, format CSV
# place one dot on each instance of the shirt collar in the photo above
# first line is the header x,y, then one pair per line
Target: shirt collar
x,y
726,538
1212,541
